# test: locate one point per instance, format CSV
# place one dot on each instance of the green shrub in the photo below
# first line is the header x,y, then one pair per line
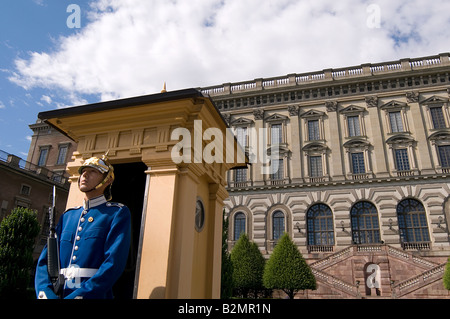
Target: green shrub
x,y
17,235
248,267
287,270
447,275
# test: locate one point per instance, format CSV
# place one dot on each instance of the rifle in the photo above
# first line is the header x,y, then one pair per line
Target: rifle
x,y
53,264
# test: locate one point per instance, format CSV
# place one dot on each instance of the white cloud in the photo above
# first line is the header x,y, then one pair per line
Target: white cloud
x,y
130,47
2,105
47,99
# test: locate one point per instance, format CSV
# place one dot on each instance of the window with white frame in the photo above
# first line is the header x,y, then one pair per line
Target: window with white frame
x,y
358,165
313,130
276,124
276,134
277,169
313,123
396,116
354,128
239,225
444,155
436,108
278,225
315,166
43,154
437,117
395,120
402,159
240,175
62,154
241,136
354,121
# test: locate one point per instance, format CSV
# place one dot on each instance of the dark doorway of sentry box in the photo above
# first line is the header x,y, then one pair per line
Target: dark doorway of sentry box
x,y
129,188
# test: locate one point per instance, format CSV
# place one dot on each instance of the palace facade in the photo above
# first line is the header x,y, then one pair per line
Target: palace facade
x,y
364,180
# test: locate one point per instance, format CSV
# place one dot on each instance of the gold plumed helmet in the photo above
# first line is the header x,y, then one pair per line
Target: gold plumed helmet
x,y
100,164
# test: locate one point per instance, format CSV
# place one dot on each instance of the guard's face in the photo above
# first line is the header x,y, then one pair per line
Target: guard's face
x,y
90,178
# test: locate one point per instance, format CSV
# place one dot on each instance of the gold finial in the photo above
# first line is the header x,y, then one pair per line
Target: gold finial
x,y
105,156
164,88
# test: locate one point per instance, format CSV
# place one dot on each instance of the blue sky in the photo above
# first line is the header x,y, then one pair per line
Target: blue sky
x,y
131,47
26,26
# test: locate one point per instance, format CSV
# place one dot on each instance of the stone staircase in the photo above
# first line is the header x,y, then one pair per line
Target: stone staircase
x,y
429,271
426,278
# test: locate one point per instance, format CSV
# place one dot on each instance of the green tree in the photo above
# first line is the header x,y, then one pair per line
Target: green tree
x,y
226,290
447,275
17,235
248,266
287,270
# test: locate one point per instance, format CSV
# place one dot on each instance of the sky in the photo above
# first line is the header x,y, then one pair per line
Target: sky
x,y
64,53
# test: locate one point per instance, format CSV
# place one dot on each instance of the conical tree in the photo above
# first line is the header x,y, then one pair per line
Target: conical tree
x,y
447,275
248,266
287,270
17,234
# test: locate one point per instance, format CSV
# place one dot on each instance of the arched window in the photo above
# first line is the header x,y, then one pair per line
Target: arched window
x,y
320,226
412,221
239,225
365,226
278,225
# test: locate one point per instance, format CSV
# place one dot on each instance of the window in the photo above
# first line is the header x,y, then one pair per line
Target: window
x,y
241,175
277,225
444,155
241,136
199,215
401,159
276,134
278,173
25,190
239,225
396,121
354,128
358,166
62,154
437,117
320,225
365,227
313,130
315,166
43,156
412,222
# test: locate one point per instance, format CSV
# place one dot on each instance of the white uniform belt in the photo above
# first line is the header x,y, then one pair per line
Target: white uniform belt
x,y
75,272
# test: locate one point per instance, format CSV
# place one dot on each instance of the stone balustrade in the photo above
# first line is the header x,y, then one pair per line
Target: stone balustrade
x,y
363,70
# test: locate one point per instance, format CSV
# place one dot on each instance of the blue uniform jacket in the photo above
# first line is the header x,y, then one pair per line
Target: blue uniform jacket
x,y
94,240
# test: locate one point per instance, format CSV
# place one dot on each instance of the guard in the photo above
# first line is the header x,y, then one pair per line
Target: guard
x,y
94,240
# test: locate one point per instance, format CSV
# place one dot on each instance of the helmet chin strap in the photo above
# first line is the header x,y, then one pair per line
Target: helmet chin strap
x,y
98,185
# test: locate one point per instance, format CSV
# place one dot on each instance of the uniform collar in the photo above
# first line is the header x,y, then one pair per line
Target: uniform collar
x,y
93,202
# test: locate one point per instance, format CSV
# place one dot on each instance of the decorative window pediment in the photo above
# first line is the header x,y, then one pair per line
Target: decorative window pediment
x,y
312,114
393,105
276,118
434,100
315,147
440,136
352,109
400,139
242,122
356,143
